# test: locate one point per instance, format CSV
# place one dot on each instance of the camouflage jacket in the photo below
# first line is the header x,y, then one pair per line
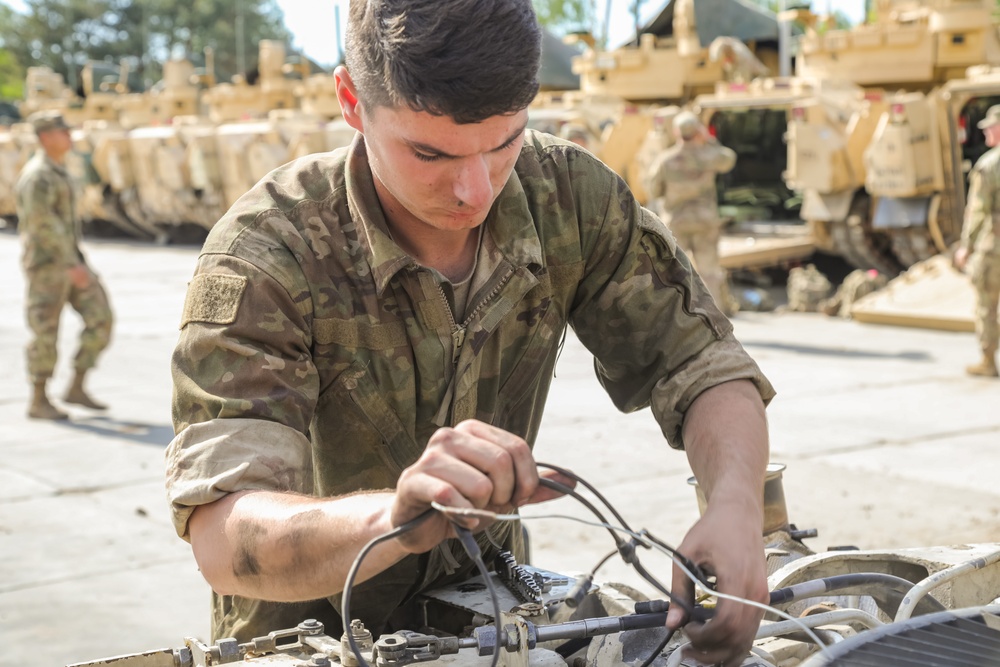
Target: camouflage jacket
x,y
982,210
316,357
683,179
46,215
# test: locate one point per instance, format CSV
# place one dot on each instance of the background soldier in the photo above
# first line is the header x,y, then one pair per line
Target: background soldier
x,y
739,64
979,248
55,270
682,183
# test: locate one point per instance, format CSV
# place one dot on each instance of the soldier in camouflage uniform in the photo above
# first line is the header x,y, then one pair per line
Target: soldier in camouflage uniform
x,y
55,269
375,328
980,248
682,184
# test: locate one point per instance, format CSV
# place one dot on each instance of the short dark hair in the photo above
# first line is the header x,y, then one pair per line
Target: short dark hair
x,y
466,59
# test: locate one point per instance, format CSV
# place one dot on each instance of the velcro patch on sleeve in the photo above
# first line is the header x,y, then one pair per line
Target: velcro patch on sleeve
x,y
213,298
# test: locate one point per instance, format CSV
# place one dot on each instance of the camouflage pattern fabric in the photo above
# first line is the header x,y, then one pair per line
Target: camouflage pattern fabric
x,y
856,284
46,213
49,231
48,290
681,182
980,232
807,288
316,357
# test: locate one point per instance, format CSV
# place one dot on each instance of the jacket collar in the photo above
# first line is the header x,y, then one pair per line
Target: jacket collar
x,y
509,222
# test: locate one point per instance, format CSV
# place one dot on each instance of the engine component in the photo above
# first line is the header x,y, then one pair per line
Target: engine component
x,y
958,638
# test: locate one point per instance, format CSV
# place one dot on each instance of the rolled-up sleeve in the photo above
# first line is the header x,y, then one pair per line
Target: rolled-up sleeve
x,y
206,461
657,336
245,385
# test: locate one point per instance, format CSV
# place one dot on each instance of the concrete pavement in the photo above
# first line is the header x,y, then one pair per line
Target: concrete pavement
x,y
887,444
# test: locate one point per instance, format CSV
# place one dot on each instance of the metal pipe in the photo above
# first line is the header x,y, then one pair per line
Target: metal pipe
x,y
838,616
784,42
922,588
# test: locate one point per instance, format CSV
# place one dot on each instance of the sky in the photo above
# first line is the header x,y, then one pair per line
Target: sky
x,y
313,22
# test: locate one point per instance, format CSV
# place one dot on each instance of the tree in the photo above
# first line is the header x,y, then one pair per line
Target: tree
x,y
566,16
11,77
11,72
65,34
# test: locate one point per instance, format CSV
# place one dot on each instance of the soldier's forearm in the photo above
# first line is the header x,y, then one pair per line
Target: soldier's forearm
x,y
725,435
287,548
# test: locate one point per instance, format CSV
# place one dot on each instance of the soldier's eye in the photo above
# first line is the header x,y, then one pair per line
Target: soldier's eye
x,y
425,157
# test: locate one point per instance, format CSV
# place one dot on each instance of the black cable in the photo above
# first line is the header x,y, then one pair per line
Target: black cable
x,y
609,556
624,524
591,488
345,604
659,649
468,541
565,490
688,563
633,559
889,594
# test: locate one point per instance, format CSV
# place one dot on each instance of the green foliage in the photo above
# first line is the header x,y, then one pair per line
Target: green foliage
x,y
565,16
11,77
67,33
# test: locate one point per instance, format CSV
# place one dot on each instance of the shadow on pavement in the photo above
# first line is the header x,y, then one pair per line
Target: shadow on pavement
x,y
144,434
838,352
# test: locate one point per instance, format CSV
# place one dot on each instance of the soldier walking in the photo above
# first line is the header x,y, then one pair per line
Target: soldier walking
x,y
682,185
55,270
979,248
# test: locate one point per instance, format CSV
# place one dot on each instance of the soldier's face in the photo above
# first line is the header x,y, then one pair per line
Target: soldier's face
x,y
56,142
992,133
430,170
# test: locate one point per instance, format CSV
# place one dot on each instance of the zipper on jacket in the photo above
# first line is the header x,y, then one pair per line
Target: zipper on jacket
x,y
458,331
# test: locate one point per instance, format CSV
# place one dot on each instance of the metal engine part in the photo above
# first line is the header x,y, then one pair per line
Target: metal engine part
x,y
829,608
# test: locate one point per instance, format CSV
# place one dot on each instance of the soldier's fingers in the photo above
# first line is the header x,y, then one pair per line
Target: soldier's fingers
x,y
444,462
510,462
544,493
428,481
683,589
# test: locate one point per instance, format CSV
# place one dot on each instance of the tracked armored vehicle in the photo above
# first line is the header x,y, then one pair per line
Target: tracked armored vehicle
x,y
883,181
177,156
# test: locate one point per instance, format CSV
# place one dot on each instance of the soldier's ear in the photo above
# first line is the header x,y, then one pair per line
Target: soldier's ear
x,y
347,95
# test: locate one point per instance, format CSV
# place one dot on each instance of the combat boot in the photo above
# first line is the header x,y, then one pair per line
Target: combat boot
x,y
78,396
985,368
41,408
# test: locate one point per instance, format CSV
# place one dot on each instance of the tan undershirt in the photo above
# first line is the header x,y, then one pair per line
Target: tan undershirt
x,y
461,289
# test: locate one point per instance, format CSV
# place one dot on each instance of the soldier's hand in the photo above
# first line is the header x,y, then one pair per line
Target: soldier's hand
x,y
960,258
79,276
726,542
473,465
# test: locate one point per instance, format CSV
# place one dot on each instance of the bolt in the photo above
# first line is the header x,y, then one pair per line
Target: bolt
x,y
319,660
310,626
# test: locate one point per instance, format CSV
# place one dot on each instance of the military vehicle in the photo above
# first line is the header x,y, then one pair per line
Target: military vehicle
x,y
883,183
17,143
178,155
937,606
628,92
752,119
673,62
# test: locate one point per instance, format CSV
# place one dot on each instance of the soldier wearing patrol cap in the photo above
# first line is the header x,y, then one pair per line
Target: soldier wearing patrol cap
x,y
55,270
682,185
979,248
